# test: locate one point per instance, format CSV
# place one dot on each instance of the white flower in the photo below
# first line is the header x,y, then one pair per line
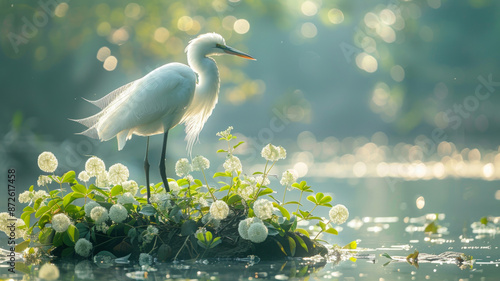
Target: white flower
x,y
40,194
182,167
130,186
219,210
202,201
102,227
89,206
99,214
159,198
338,214
248,191
118,213
101,180
245,224
232,164
262,181
257,232
48,271
174,187
263,209
273,153
152,230
83,247
47,162
200,163
145,259
60,222
289,177
226,133
117,174
25,197
95,166
84,176
126,198
43,180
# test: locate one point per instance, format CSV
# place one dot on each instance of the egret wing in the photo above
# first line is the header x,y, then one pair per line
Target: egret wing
x,y
159,99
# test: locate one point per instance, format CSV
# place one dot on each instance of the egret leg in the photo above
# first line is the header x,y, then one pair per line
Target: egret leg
x,y
146,169
163,172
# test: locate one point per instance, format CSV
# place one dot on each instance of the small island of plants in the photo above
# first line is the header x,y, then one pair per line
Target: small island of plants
x,y
101,214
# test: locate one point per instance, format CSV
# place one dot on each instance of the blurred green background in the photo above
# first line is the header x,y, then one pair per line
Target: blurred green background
x,y
327,72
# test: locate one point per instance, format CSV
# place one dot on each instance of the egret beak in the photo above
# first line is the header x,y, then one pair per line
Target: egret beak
x,y
232,51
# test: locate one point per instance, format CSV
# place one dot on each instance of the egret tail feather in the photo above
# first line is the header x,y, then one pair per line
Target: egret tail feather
x,y
90,132
107,99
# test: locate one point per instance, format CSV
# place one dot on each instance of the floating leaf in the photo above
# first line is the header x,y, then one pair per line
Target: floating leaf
x,y
22,246
484,220
386,255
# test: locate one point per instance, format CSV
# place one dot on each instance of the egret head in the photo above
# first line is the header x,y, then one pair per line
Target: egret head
x,y
212,44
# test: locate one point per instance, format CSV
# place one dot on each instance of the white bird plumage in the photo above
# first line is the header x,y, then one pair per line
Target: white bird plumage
x,y
164,98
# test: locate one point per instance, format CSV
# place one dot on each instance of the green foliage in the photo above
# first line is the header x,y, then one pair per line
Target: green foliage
x,y
184,213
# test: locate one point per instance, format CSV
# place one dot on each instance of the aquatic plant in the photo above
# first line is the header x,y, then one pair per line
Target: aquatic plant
x,y
239,217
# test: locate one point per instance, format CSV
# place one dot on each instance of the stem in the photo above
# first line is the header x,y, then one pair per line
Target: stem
x,y
229,190
284,194
321,230
311,211
300,199
183,244
263,179
208,187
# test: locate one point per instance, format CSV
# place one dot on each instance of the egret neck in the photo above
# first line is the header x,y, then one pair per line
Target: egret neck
x,y
205,96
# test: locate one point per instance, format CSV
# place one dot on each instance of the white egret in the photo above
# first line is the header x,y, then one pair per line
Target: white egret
x,y
167,96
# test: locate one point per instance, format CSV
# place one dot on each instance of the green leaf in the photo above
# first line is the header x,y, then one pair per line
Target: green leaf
x,y
293,245
44,220
312,199
351,246
301,242
22,246
233,199
45,236
41,211
132,234
58,239
281,247
69,177
303,231
73,233
431,227
221,150
68,198
220,174
188,227
292,202
322,225
202,244
68,252
484,220
265,192
319,196
283,211
326,199
238,144
103,192
31,188
117,189
257,173
148,210
332,230
83,228
215,242
209,236
79,188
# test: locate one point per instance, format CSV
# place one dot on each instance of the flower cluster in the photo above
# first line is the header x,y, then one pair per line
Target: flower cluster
x,y
43,180
99,214
225,134
6,220
182,167
83,247
149,234
200,163
273,153
118,213
263,209
47,162
289,177
32,196
130,186
117,174
253,229
338,214
219,210
233,164
60,222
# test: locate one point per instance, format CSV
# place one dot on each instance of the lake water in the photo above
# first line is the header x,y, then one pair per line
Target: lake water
x,y
383,220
